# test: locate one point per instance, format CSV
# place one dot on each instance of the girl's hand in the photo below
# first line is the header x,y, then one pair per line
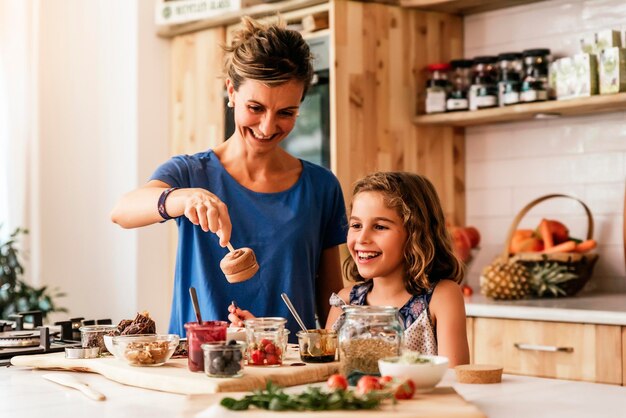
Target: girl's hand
x,y
207,210
236,316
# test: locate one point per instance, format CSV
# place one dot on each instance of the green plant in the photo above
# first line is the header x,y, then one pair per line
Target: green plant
x,y
15,294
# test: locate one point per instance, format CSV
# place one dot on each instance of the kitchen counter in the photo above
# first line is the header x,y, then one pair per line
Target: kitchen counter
x,y
602,309
25,394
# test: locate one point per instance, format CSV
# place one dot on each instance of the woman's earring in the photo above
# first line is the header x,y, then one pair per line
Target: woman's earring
x,y
230,104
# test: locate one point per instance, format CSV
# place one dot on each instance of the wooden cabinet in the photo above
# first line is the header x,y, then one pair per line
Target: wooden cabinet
x,y
560,350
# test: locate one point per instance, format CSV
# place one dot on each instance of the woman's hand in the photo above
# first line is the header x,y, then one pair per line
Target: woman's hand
x,y
237,315
207,210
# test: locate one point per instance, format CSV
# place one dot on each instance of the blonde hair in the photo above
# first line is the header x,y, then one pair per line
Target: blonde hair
x,y
268,53
428,254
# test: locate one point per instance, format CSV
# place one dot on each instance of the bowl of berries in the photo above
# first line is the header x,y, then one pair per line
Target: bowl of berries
x,y
223,359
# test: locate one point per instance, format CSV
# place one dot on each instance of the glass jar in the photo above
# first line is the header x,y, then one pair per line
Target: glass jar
x,y
483,92
437,87
368,334
535,83
222,359
198,334
93,336
266,340
317,345
510,67
460,80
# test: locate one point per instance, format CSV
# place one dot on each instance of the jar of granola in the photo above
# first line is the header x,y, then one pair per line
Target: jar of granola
x,y
368,333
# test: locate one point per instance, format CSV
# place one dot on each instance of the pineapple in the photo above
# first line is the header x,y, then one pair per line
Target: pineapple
x,y
503,280
548,277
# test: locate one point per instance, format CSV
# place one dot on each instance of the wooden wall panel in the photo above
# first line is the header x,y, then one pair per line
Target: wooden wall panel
x,y
197,102
380,52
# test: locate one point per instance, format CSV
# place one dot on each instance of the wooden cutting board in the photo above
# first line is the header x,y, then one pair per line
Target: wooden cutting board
x,y
174,377
443,402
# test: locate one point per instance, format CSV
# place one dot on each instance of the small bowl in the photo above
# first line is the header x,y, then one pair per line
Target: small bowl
x,y
425,375
108,343
236,333
317,345
145,350
93,336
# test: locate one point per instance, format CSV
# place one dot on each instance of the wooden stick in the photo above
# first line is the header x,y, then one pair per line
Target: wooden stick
x,y
230,247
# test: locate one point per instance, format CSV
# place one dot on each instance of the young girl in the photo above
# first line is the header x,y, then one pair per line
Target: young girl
x,y
402,256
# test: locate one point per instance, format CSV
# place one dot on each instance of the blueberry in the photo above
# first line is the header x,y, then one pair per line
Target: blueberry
x,y
227,355
214,354
232,342
218,363
237,355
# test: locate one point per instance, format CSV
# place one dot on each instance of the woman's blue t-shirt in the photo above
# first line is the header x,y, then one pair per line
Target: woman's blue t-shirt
x,y
287,231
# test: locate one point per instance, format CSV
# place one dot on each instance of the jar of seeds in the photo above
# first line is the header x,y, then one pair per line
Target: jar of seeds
x,y
368,334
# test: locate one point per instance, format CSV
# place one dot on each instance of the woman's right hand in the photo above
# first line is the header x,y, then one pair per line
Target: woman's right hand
x,y
236,316
203,208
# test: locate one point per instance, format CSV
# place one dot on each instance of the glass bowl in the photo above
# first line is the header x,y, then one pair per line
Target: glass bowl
x,y
145,350
93,336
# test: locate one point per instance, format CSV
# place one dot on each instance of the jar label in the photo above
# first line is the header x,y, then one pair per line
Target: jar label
x,y
534,95
435,101
457,104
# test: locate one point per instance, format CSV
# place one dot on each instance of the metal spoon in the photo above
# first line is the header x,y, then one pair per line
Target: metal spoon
x,y
194,301
293,311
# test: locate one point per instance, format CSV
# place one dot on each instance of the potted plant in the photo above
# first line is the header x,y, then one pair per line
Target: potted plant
x,y
15,294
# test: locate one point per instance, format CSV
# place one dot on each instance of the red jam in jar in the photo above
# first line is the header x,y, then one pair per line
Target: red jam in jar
x,y
198,334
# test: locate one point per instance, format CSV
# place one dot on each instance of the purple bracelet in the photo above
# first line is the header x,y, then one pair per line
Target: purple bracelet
x,y
161,204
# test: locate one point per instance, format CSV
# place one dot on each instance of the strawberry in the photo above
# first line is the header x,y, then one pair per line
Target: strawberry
x,y
337,381
405,390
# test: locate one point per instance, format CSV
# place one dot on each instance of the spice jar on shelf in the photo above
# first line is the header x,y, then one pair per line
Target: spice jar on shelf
x,y
509,66
460,80
534,86
437,87
483,92
368,334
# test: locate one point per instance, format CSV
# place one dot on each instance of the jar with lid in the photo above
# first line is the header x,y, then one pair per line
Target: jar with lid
x,y
535,83
368,334
483,92
509,66
437,87
460,80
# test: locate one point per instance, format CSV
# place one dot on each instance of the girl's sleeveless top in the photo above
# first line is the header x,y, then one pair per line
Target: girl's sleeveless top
x,y
414,316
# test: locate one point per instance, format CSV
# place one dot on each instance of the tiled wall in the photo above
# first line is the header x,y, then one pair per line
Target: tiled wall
x,y
508,165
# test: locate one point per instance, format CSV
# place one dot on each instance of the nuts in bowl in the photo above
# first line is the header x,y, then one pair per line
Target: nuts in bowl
x,y
145,350
424,370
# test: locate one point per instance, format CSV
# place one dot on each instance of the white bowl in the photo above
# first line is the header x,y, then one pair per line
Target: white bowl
x,y
108,343
424,375
235,333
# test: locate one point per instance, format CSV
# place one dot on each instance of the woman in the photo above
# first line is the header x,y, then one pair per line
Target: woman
x,y
251,193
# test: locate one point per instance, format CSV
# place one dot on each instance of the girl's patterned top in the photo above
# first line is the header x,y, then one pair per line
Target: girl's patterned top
x,y
414,316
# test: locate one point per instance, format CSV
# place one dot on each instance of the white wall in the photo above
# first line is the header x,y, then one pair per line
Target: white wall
x,y
509,165
103,128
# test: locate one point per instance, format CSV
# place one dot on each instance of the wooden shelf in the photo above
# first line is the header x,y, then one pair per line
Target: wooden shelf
x,y
529,111
229,18
463,7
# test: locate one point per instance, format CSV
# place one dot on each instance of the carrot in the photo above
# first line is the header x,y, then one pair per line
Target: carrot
x,y
585,246
564,247
546,234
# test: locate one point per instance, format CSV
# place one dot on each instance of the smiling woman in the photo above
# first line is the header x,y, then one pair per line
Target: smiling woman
x,y
251,192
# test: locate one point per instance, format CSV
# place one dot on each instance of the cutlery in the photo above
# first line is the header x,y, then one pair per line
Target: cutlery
x,y
72,382
293,311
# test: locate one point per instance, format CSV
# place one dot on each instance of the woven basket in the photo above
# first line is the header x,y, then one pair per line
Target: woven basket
x,y
579,263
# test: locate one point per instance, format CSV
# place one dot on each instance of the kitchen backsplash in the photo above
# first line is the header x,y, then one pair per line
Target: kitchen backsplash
x,y
509,165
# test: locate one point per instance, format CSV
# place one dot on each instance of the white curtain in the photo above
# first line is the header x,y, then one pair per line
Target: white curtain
x,y
18,111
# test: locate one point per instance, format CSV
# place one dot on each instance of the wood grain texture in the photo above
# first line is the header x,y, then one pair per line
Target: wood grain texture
x,y
623,356
528,111
463,7
596,354
196,92
380,52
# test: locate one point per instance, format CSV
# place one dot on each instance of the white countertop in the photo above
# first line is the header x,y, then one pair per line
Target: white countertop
x,y
604,309
25,394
